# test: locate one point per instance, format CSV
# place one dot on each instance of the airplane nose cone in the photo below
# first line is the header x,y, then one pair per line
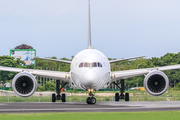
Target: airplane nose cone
x,y
90,78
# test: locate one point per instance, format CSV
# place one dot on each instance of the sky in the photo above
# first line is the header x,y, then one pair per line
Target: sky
x,y
119,28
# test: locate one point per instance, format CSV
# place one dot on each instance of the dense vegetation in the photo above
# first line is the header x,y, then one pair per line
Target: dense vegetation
x,y
167,59
9,62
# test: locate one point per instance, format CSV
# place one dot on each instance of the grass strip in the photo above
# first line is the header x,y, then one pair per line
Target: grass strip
x,y
164,115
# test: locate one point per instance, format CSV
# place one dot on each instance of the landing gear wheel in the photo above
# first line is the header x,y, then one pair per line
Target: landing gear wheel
x,y
126,96
88,100
117,97
63,97
53,98
93,100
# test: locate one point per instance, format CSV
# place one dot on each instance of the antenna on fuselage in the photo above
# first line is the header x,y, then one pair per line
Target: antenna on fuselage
x,y
89,27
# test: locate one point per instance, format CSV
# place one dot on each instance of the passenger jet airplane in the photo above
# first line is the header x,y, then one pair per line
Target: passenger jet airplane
x,y
90,71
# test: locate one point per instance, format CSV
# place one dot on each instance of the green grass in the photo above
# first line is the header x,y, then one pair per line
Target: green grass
x,y
137,96
170,115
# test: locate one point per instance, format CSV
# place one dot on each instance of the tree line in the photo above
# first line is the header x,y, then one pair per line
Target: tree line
x,y
167,59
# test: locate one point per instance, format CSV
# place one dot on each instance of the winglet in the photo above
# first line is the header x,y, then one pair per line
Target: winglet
x,y
89,27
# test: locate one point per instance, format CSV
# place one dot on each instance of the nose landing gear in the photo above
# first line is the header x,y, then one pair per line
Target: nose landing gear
x,y
121,95
91,99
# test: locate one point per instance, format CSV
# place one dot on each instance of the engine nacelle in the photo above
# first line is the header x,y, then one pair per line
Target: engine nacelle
x,y
156,83
24,84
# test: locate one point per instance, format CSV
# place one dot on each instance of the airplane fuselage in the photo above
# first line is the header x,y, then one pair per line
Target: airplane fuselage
x,y
90,69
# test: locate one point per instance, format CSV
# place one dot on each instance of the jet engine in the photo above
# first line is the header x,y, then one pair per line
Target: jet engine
x,y
156,83
24,84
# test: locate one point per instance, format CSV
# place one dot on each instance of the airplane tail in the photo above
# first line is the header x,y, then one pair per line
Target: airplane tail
x,y
89,27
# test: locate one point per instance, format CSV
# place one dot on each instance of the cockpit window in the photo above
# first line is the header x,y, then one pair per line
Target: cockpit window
x,y
86,64
99,64
94,64
81,65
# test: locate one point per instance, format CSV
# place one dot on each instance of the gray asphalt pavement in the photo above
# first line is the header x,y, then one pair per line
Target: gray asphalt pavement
x,y
83,107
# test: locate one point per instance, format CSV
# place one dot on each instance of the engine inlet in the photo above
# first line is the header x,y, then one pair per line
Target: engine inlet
x,y
156,83
24,85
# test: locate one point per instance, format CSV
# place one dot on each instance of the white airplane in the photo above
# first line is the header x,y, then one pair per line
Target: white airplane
x,y
90,71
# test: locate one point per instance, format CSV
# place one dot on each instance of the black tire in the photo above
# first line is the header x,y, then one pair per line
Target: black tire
x,y
126,96
63,97
117,97
93,100
88,100
53,97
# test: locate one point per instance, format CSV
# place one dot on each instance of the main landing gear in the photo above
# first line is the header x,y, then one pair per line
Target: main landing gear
x,y
58,91
91,99
121,95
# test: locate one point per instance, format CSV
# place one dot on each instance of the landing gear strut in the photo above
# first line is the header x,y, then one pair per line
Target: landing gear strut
x,y
58,91
91,99
121,95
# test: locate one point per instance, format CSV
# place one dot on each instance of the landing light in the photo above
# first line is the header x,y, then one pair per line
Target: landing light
x,y
67,76
90,90
113,76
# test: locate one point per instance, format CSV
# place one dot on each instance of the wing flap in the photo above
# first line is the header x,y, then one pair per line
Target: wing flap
x,y
129,73
52,74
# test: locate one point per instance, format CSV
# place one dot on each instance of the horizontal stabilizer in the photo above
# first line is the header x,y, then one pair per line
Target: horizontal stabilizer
x,y
64,61
112,61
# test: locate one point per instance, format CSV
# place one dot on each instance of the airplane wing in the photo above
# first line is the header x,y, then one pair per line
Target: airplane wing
x,y
64,76
137,72
112,61
64,61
